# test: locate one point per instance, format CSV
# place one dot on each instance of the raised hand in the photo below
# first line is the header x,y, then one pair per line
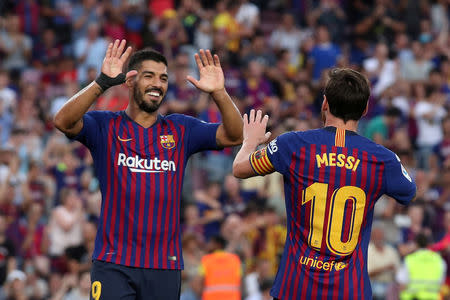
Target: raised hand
x,y
115,58
211,74
255,128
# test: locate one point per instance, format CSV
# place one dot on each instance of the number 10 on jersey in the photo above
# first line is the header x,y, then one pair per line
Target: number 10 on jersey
x,y
317,194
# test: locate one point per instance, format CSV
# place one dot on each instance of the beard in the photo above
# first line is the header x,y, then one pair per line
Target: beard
x,y
151,107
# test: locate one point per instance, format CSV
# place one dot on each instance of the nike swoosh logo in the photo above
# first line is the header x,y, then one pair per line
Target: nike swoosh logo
x,y
123,140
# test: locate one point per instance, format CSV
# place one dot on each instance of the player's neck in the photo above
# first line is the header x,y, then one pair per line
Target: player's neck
x,y
141,117
339,123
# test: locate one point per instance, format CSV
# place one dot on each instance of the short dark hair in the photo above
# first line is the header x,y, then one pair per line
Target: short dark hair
x,y
422,240
393,112
347,93
219,241
145,54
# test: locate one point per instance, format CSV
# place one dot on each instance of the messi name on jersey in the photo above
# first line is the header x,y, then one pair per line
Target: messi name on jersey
x,y
337,160
143,165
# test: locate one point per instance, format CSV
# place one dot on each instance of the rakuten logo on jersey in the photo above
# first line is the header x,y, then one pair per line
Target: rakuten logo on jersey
x,y
142,165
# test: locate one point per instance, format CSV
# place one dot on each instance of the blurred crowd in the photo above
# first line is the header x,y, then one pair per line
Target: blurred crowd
x,y
275,55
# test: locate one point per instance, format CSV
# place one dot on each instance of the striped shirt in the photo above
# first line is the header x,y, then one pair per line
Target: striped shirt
x,y
141,171
332,179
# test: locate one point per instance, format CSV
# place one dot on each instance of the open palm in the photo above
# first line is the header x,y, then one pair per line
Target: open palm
x,y
211,74
115,59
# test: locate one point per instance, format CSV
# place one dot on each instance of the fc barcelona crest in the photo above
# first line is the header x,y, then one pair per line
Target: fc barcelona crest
x,y
167,141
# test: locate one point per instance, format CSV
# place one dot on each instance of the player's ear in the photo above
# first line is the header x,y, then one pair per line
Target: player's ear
x,y
324,103
130,78
366,109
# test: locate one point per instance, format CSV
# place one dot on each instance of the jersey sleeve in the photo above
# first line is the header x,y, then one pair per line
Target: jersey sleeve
x,y
202,135
273,157
90,133
399,185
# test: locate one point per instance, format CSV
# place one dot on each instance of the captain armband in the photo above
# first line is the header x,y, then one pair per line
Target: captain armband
x,y
260,162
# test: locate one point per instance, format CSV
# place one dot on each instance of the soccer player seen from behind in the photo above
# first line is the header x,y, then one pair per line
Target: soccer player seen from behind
x,y
332,179
140,158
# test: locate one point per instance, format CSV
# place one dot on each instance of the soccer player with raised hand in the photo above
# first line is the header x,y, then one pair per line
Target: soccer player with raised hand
x,y
332,179
140,158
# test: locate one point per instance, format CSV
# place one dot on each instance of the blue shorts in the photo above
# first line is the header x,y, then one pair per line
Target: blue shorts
x,y
111,281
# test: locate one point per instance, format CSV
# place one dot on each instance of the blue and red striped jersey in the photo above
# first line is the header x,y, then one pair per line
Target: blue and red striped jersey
x,y
332,179
141,171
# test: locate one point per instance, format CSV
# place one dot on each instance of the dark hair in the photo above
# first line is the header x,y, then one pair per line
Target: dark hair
x,y
266,284
145,54
219,241
422,240
347,93
393,112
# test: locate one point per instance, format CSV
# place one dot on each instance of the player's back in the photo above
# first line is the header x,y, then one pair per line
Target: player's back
x,y
332,180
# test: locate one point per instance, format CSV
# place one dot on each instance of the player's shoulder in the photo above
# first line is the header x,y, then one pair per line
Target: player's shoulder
x,y
180,118
285,139
104,114
295,138
379,151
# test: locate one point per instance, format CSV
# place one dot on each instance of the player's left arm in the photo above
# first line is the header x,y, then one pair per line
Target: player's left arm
x,y
399,185
212,81
245,163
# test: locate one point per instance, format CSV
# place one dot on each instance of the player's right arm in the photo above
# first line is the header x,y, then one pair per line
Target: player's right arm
x,y
69,119
254,135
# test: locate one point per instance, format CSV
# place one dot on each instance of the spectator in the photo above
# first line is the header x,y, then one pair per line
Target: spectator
x,y
47,48
65,224
170,33
28,233
288,37
380,21
254,281
259,52
247,17
193,224
114,25
16,285
191,15
417,68
256,86
221,272
381,71
441,152
423,273
324,54
382,262
234,231
16,46
181,97
79,257
379,128
7,261
192,254
83,14
8,96
210,209
429,114
330,14
89,51
233,198
66,171
266,286
29,13
225,24
81,287
414,226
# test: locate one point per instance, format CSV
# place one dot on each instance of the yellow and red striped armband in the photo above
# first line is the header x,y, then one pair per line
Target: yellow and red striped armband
x,y
260,162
